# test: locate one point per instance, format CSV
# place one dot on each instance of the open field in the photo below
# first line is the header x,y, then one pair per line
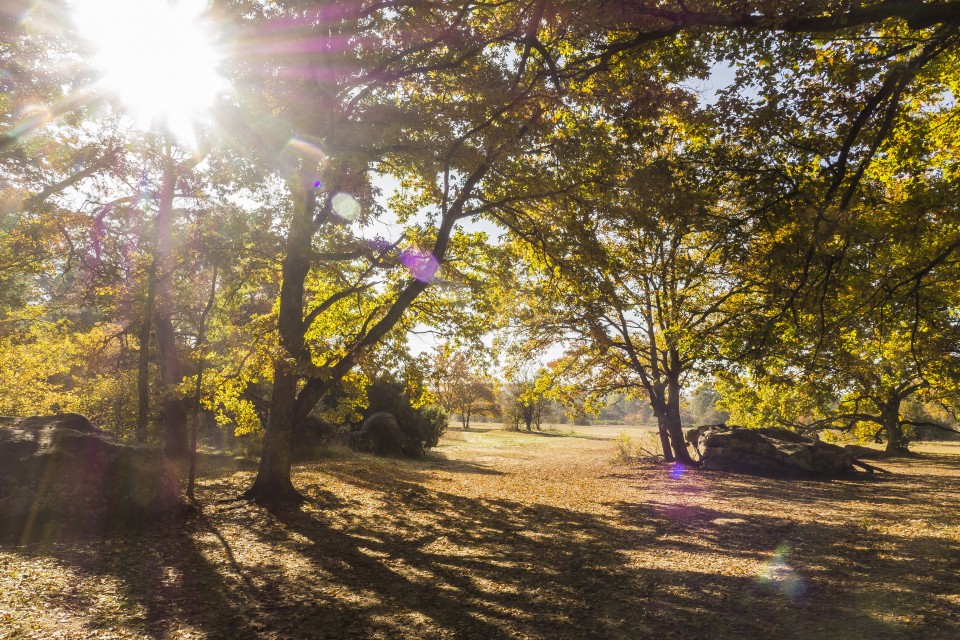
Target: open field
x,y
503,535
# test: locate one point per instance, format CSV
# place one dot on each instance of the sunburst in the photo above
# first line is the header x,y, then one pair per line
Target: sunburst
x,y
158,57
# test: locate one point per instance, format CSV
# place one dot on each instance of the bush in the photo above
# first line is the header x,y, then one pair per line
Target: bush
x,y
435,423
625,448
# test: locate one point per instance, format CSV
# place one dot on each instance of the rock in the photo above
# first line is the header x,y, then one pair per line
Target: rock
x,y
769,451
865,453
381,434
60,474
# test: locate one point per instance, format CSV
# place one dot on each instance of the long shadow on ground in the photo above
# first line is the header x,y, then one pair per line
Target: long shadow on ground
x,y
427,563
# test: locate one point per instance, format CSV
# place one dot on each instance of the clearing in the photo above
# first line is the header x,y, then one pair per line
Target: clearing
x,y
515,535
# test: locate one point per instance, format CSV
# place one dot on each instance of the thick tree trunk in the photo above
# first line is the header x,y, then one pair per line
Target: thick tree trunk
x,y
665,402
273,486
143,357
658,403
173,407
893,430
672,421
664,440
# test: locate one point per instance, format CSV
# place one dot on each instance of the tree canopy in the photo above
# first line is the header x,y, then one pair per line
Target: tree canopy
x,y
664,192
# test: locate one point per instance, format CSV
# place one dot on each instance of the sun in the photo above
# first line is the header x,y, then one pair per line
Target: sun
x,y
158,57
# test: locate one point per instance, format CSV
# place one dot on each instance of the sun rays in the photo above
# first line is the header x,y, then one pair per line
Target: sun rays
x,y
159,59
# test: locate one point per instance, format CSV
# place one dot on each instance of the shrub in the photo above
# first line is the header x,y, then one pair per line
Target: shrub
x,y
625,449
435,423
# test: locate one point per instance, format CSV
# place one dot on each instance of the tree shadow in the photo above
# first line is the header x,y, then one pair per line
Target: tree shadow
x,y
384,556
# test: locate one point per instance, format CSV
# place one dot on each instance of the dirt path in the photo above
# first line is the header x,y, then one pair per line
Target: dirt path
x,y
502,535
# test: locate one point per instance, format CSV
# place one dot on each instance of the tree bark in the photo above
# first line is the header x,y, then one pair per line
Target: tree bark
x,y
665,402
143,364
173,407
892,428
655,392
273,486
673,422
664,440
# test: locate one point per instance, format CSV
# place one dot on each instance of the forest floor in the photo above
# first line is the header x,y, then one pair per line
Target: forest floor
x,y
516,535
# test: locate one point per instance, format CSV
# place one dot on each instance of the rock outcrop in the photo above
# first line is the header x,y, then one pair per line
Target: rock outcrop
x,y
62,474
382,435
770,451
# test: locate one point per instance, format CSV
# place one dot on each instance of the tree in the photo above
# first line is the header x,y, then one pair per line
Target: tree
x,y
525,397
442,117
458,385
643,287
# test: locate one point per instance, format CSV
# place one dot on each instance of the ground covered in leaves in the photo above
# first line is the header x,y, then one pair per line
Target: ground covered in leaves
x,y
501,535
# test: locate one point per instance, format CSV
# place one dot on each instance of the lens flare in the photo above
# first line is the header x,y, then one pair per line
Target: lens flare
x,y
346,207
421,264
780,575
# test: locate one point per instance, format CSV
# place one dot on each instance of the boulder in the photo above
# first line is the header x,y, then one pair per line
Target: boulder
x,y
61,474
865,453
382,435
769,451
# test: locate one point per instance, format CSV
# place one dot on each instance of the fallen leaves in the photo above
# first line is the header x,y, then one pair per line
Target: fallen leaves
x,y
515,535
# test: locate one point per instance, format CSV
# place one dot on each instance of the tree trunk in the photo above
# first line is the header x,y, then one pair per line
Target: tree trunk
x,y
273,486
173,406
143,364
893,430
658,403
664,440
672,421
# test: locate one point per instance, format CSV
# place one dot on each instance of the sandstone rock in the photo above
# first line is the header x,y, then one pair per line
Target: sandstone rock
x,y
865,453
769,451
61,473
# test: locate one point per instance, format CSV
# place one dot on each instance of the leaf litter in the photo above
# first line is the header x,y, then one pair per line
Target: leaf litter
x,y
505,535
